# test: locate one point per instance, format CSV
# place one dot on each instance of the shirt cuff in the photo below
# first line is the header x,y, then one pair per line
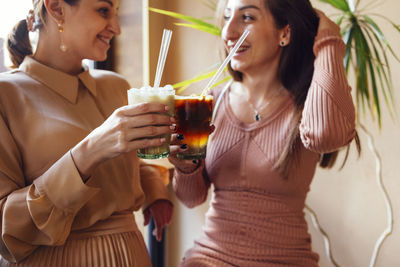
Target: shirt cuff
x,y
63,185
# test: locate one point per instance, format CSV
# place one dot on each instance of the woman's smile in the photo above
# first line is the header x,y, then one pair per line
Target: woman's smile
x,y
105,40
241,52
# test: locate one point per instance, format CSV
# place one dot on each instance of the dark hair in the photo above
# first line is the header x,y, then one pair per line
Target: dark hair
x,y
296,67
18,43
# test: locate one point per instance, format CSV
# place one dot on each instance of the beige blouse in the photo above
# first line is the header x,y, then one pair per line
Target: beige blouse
x,y
43,114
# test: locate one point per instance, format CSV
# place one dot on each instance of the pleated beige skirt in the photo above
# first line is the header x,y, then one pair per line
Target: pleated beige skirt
x,y
115,242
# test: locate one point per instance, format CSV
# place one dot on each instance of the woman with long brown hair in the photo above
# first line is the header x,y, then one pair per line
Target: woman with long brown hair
x,y
70,178
288,109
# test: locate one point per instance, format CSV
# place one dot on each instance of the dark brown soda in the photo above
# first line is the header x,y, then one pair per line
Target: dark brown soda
x,y
193,116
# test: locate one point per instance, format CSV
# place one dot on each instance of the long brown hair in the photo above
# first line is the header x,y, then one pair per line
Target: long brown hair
x,y
18,43
299,55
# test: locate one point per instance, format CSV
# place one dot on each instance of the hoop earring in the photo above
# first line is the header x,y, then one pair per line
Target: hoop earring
x,y
282,44
63,47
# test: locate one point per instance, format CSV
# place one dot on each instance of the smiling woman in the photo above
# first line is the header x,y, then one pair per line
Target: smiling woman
x,y
287,110
70,179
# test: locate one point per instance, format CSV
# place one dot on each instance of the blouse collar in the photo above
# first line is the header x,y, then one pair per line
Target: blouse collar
x,y
63,83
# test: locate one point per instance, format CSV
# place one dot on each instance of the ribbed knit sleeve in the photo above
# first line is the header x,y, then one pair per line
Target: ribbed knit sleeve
x,y
192,188
328,120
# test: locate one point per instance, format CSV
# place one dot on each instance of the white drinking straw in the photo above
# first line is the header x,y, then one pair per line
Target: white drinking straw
x,y
166,39
226,61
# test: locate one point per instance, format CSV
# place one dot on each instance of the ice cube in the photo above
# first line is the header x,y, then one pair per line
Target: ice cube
x,y
168,87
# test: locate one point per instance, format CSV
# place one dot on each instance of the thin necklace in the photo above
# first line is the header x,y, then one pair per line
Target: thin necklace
x,y
257,112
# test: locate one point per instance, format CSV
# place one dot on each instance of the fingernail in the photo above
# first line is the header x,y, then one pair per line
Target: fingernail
x,y
180,136
173,127
162,139
184,146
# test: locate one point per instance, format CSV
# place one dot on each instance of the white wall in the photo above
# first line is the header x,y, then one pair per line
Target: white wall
x,y
348,202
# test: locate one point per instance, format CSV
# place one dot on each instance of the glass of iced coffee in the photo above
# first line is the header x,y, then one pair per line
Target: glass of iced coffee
x,y
164,95
193,115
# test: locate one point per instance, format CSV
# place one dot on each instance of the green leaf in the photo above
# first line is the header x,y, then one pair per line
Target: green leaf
x,y
397,27
339,20
185,84
374,90
221,82
339,4
361,68
367,51
197,78
209,3
348,39
203,28
382,68
370,74
380,34
381,46
186,18
345,29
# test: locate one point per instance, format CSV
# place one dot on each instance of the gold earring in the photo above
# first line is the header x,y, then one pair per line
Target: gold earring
x,y
63,47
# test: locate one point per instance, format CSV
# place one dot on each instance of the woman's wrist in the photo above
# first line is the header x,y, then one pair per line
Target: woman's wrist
x,y
83,159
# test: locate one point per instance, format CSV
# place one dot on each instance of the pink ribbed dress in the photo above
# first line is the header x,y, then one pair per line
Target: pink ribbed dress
x,y
256,216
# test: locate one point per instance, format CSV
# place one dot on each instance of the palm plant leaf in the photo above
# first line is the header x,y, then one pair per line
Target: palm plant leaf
x,y
381,67
361,68
366,54
348,39
339,4
221,81
340,19
209,3
181,86
379,33
203,28
196,23
397,27
184,84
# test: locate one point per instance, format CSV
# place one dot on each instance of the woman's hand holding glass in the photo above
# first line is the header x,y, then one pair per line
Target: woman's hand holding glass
x,y
128,128
178,145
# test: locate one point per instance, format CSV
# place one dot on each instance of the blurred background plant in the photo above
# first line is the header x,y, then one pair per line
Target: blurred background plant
x,y
367,52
